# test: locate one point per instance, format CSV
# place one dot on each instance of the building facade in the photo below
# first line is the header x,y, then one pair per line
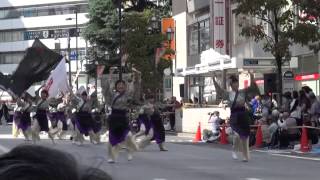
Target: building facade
x,y
52,21
197,23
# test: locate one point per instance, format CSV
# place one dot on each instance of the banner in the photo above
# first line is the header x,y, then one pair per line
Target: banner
x,y
58,80
219,26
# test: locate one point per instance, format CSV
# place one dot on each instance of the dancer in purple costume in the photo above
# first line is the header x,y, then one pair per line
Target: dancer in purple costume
x,y
240,115
151,125
119,132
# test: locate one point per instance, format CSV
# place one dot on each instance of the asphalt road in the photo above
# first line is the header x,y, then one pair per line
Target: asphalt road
x,y
184,161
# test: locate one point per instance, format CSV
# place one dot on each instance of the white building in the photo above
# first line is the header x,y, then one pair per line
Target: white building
x,y
53,21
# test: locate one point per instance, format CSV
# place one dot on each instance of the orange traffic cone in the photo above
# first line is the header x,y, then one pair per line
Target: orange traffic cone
x,y
197,138
259,137
223,137
304,147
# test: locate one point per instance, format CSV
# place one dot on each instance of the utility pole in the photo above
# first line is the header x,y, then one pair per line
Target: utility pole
x,y
120,40
69,60
77,34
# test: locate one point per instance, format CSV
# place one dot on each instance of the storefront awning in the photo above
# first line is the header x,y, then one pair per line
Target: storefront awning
x,y
210,61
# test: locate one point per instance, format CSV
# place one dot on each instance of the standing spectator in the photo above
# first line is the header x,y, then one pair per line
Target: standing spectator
x,y
274,103
4,112
266,104
295,110
307,90
256,107
304,102
314,110
174,107
287,98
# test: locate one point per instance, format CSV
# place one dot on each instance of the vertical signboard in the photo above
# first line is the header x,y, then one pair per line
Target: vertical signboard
x,y
219,26
288,81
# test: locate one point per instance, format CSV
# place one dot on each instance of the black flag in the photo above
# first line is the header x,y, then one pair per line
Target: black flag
x,y
35,66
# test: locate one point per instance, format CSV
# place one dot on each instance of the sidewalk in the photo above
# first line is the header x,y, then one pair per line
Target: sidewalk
x,y
314,154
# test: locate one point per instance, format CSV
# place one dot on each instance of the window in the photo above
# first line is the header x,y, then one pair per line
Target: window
x,y
11,57
199,37
167,83
4,13
42,11
204,35
29,12
193,39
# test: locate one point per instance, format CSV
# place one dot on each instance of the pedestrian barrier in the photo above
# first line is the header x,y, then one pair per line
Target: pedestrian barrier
x,y
197,138
305,146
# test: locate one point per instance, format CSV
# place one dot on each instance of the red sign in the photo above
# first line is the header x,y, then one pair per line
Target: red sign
x,y
219,43
261,81
314,76
219,20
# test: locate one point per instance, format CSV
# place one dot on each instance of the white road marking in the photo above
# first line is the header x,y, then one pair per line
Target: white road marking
x,y
297,157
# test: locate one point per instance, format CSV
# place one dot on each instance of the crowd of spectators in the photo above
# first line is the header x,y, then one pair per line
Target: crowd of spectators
x,y
281,125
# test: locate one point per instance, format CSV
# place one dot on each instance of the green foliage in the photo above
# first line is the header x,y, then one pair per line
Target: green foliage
x,y
138,43
281,17
102,28
285,24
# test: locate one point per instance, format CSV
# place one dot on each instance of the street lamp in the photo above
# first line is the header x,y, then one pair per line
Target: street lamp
x,y
154,23
77,34
169,34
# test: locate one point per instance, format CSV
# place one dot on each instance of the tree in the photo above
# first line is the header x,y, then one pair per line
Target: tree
x,y
163,6
101,30
140,45
283,18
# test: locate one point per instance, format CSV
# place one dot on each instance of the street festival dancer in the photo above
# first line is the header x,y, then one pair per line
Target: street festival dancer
x,y
119,132
57,117
151,125
62,116
83,119
240,117
40,122
22,117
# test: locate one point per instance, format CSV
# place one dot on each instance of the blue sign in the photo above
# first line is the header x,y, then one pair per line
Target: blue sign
x,y
73,55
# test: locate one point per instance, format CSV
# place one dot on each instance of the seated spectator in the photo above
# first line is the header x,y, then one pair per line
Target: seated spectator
x,y
288,132
29,162
265,128
215,120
